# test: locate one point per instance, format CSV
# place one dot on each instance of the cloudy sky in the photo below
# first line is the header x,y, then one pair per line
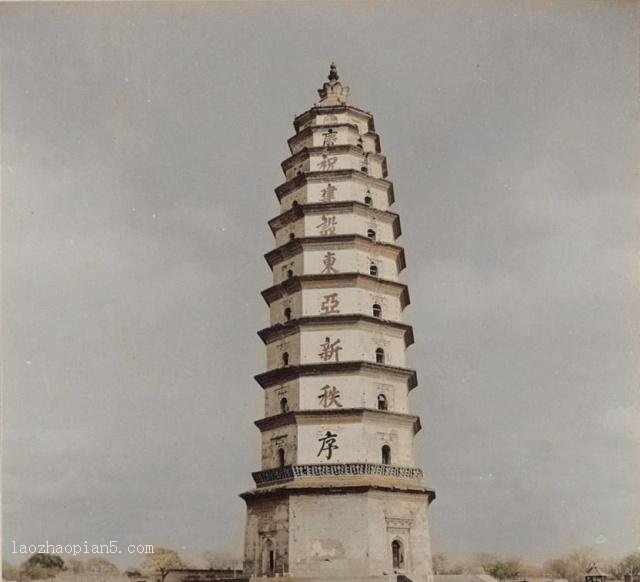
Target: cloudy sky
x,y
141,144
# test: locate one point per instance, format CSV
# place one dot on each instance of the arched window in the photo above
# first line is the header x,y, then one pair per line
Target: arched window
x,y
397,553
368,201
285,358
289,274
284,406
379,356
292,235
294,204
386,455
281,458
382,402
373,269
377,310
371,234
287,313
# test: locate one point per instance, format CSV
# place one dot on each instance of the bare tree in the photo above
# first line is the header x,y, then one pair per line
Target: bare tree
x,y
572,566
160,561
628,566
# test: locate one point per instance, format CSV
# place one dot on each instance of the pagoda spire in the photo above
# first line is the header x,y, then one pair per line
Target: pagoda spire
x,y
333,92
333,72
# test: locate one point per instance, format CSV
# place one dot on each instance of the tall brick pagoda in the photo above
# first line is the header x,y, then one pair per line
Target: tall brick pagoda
x,y
338,496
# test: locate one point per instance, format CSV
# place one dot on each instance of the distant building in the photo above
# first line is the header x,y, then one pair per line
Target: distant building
x,y
464,578
197,575
595,574
537,579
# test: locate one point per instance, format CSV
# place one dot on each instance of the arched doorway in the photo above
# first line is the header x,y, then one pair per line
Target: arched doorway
x,y
268,558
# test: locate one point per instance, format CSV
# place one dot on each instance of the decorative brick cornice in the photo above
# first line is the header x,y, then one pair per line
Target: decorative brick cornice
x,y
301,210
287,373
308,131
306,153
328,110
296,245
279,330
298,487
333,176
338,415
368,282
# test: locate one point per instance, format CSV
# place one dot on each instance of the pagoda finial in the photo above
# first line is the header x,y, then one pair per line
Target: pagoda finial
x,y
333,72
333,92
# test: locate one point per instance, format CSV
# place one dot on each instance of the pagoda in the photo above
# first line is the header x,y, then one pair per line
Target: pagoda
x,y
338,496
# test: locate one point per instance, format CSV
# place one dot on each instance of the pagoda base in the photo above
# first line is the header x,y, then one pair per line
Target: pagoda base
x,y
287,578
338,533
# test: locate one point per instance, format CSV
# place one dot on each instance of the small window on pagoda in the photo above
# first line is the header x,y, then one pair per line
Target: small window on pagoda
x,y
373,269
379,356
371,234
377,310
287,313
294,204
281,458
397,554
386,455
368,200
360,144
289,274
292,235
284,405
382,402
285,358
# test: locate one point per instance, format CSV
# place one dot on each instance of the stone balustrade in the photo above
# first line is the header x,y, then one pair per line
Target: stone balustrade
x,y
290,472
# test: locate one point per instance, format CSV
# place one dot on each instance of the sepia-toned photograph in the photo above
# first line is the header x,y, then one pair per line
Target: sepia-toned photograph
x,y
320,291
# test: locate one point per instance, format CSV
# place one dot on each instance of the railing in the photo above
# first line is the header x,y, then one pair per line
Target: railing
x,y
290,472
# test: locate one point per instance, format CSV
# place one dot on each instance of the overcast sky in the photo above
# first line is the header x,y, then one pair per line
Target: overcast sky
x,y
141,145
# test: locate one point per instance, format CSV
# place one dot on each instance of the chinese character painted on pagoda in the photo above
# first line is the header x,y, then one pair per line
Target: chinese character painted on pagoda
x,y
328,444
328,194
329,350
329,396
327,163
330,138
330,304
328,261
328,225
